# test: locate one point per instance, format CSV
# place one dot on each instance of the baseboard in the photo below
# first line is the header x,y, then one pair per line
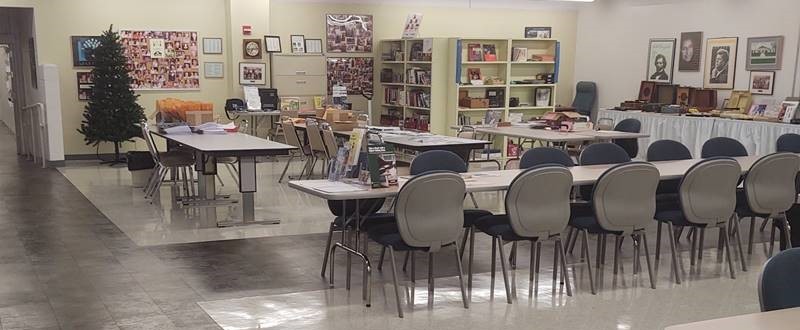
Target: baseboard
x,y
89,156
56,163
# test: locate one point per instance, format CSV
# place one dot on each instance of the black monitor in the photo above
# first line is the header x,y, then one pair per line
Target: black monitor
x,y
269,99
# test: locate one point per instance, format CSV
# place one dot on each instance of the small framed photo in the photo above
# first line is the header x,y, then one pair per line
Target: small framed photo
x,y
81,46
252,73
764,53
646,91
272,44
85,85
214,70
538,32
298,43
251,49
314,46
212,45
85,77
762,82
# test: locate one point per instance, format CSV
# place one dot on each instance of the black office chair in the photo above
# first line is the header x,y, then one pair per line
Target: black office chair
x,y
723,147
544,155
778,287
585,97
631,146
667,192
344,213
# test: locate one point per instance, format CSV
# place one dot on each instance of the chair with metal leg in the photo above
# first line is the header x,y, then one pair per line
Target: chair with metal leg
x,y
707,200
615,191
770,191
534,215
429,217
302,151
342,220
180,162
778,287
667,193
318,149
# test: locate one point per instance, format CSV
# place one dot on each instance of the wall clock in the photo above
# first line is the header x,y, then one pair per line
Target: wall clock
x,y
251,48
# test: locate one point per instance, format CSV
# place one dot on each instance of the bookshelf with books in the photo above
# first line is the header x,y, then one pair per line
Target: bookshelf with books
x,y
516,79
413,79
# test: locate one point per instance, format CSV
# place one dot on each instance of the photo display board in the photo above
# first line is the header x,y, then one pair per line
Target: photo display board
x,y
162,59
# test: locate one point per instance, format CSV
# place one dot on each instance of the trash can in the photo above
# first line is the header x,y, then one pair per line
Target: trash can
x,y
140,164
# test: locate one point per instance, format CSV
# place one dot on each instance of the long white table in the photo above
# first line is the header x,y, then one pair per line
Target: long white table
x,y
784,319
758,137
208,147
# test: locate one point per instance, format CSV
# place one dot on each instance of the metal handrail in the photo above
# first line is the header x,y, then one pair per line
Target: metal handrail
x,y
35,147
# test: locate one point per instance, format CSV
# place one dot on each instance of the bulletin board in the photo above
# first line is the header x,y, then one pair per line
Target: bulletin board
x,y
160,60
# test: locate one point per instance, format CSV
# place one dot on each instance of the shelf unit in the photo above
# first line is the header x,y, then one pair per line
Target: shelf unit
x,y
400,56
507,68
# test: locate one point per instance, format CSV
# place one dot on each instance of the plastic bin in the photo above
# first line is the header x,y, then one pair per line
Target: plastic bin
x,y
140,164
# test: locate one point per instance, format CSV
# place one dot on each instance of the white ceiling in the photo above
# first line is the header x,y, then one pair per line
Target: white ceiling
x,y
512,4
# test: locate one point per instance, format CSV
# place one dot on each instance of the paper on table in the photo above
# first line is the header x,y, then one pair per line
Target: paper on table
x,y
334,187
183,129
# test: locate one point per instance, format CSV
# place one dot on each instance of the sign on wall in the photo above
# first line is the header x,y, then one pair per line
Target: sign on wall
x,y
162,59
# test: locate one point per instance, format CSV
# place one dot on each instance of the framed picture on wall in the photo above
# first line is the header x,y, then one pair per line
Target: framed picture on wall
x,y
349,33
298,43
720,68
691,50
764,53
762,82
660,60
251,49
81,45
85,81
538,32
314,46
214,70
272,44
252,73
212,45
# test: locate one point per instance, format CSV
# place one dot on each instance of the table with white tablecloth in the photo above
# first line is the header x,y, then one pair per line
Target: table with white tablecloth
x,y
758,137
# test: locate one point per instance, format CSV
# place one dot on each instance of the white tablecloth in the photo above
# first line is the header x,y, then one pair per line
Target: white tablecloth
x,y
758,137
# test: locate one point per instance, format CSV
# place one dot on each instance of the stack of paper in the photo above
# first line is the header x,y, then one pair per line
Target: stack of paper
x,y
183,129
214,128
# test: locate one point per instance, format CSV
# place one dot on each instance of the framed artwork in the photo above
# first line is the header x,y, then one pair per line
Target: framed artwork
x,y
474,52
314,46
251,49
720,68
349,33
684,96
81,45
162,60
214,70
660,60
354,73
411,29
646,91
762,82
272,44
252,73
788,111
85,85
538,32
298,43
691,50
212,45
764,53
474,76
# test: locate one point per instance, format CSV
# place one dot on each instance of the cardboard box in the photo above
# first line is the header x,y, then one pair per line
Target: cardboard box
x,y
333,115
194,118
343,126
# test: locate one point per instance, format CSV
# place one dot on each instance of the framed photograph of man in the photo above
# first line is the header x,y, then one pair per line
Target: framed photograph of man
x,y
762,82
660,60
81,45
252,74
764,53
349,33
720,68
691,50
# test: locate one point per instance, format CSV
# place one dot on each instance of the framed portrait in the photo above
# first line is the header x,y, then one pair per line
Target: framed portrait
x,y
762,82
85,81
538,32
646,91
764,53
354,73
81,45
298,43
660,60
212,45
349,33
272,44
720,68
251,49
162,60
691,51
252,73
314,46
684,95
214,70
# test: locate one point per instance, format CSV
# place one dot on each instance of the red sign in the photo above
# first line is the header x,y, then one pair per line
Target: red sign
x,y
247,30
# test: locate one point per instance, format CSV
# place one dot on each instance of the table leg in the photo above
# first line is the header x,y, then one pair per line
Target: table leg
x,y
248,187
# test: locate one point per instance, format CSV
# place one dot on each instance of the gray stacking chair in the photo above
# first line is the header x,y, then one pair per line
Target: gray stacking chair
x,y
302,151
430,216
533,214
769,191
615,193
778,287
318,149
707,199
179,162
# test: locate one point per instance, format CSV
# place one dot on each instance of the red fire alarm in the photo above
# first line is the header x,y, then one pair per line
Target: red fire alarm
x,y
247,30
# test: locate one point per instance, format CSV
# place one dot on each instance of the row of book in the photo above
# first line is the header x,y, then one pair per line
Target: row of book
x,y
393,95
418,76
418,122
390,76
419,99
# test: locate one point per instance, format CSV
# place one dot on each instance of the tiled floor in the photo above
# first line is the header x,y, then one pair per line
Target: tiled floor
x,y
64,265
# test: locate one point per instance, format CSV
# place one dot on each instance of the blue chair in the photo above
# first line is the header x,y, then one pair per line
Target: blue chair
x,y
778,287
667,192
723,147
631,146
585,97
790,142
545,155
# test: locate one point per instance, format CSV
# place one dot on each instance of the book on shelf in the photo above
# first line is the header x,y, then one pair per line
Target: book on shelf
x,y
418,76
418,53
393,96
417,121
419,99
489,52
474,52
519,54
543,58
389,76
394,53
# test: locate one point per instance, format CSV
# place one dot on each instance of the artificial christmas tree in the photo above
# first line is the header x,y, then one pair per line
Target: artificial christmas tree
x,y
112,114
